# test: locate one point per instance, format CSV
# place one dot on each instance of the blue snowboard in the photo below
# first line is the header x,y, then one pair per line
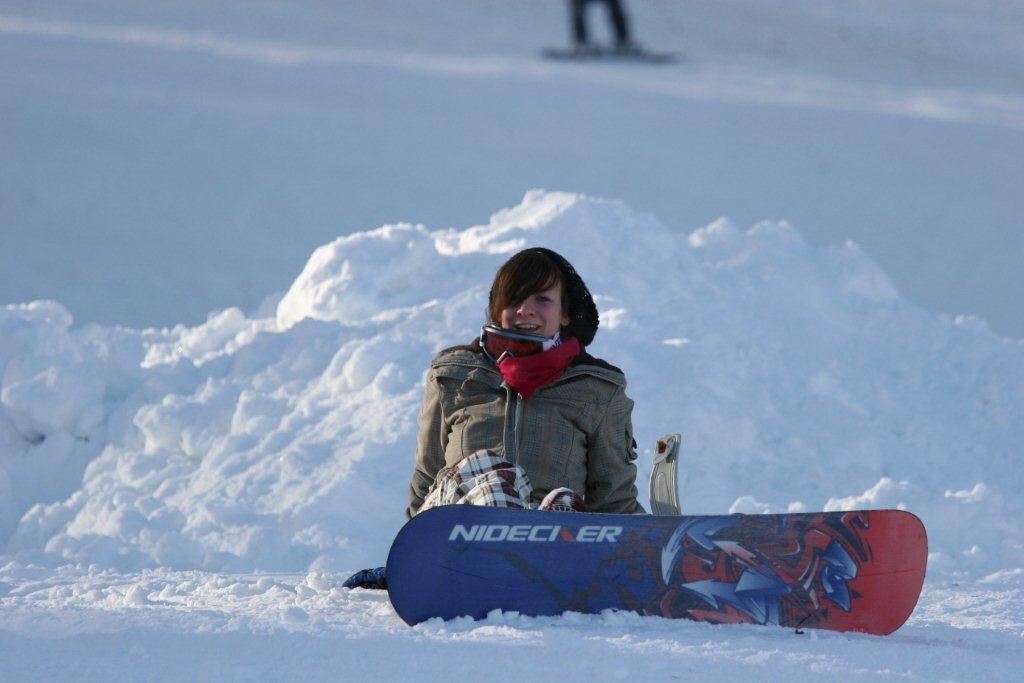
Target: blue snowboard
x,y
844,571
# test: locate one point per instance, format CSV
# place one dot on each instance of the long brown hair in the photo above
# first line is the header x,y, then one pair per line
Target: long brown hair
x,y
524,274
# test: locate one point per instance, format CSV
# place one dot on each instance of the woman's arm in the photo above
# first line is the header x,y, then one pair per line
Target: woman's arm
x,y
430,446
611,452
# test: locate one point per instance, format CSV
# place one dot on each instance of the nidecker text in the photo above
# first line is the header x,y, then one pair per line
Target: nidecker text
x,y
534,533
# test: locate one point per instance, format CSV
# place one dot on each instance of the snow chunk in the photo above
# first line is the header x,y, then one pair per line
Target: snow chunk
x,y
613,318
68,400
360,276
975,495
748,505
202,343
887,493
861,276
137,596
47,383
720,232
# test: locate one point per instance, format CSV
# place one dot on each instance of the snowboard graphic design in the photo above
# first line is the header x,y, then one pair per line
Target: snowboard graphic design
x,y
842,571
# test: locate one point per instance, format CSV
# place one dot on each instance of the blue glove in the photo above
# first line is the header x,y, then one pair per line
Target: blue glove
x,y
373,579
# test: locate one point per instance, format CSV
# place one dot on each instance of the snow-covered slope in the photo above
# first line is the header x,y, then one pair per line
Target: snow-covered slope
x,y
210,147
798,376
200,493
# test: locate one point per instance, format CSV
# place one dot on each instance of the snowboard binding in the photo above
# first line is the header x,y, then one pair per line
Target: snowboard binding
x,y
664,484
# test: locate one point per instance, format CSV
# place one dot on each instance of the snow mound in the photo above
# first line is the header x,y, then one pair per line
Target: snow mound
x,y
799,378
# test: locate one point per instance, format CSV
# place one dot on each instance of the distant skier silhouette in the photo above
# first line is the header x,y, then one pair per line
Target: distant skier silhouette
x,y
623,49
616,16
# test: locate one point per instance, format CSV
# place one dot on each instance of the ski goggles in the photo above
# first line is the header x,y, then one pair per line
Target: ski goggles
x,y
497,342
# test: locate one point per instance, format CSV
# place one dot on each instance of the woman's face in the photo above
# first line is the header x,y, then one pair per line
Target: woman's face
x,y
539,313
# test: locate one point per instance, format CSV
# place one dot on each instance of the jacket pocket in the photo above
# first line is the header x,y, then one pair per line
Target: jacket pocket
x,y
476,417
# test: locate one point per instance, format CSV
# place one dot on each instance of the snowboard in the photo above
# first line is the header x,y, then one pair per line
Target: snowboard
x,y
841,571
601,54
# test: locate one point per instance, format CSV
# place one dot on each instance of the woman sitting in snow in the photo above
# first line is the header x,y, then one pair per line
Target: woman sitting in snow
x,y
524,415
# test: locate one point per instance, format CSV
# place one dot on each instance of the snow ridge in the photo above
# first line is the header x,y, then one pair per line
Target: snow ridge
x,y
799,378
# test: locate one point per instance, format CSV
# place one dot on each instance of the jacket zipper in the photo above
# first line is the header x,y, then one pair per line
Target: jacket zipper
x,y
518,421
513,403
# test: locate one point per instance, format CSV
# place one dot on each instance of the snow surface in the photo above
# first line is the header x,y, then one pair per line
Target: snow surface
x,y
210,147
160,481
184,502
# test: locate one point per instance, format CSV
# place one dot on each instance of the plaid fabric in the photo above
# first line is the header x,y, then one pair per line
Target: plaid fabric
x,y
485,478
563,499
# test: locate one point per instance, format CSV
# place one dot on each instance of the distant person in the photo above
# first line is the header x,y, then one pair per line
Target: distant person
x,y
616,17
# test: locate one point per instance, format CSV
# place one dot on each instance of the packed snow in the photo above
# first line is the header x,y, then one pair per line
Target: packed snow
x,y
184,502
248,464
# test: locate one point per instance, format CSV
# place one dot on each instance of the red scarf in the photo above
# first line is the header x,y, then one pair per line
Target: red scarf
x,y
529,373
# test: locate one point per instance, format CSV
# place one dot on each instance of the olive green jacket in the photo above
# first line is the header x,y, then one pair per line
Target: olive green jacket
x,y
574,432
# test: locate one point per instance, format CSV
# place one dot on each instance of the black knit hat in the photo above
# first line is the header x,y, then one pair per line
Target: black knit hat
x,y
583,317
